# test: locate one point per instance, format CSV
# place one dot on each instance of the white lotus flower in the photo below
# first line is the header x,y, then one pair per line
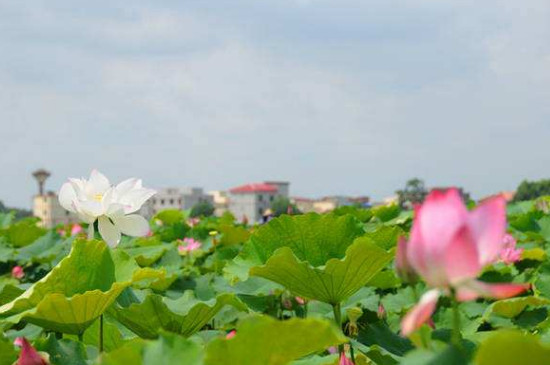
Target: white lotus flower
x,y
112,206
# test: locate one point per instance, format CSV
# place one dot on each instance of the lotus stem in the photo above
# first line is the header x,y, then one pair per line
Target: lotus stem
x,y
337,310
457,336
101,333
91,231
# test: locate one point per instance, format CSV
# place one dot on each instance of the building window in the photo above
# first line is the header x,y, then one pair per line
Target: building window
x,y
260,212
171,201
162,202
260,197
271,198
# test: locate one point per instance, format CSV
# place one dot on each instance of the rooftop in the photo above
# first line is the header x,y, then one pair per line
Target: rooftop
x,y
254,188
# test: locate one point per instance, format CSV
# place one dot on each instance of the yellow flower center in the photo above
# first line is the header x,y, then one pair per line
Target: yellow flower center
x,y
98,197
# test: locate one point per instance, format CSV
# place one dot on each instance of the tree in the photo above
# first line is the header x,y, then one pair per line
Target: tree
x,y
282,205
529,190
202,209
414,193
19,213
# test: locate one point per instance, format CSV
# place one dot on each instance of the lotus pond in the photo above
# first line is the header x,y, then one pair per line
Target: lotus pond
x,y
303,289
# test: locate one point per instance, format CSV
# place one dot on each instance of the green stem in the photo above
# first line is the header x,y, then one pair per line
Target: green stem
x,y
101,333
91,231
81,337
423,339
457,336
337,310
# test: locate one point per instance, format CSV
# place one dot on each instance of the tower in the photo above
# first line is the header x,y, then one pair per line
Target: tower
x,y
41,176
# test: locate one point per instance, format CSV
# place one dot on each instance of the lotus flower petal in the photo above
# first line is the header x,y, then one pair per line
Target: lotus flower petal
x,y
420,313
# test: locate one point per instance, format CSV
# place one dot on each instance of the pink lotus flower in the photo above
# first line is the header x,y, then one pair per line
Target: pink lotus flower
x,y
300,300
344,360
230,334
449,247
510,254
190,245
29,355
17,272
76,229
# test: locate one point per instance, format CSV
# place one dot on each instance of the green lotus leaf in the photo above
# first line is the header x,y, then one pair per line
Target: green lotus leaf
x,y
512,348
183,316
147,255
78,290
168,349
267,341
311,237
316,257
337,281
512,307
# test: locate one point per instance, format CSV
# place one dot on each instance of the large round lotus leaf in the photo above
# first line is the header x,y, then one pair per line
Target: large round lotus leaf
x,y
267,341
78,290
316,257
183,316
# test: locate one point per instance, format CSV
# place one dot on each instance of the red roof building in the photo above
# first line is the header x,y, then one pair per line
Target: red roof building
x,y
254,189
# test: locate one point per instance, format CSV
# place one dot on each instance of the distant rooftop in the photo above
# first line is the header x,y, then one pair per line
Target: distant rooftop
x,y
254,188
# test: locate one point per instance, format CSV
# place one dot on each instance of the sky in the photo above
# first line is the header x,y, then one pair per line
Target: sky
x,y
338,97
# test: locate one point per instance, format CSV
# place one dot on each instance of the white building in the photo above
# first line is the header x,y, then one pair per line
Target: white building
x,y
252,201
51,213
174,198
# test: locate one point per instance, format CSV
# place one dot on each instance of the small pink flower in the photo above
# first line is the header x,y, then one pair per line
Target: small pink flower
x,y
344,360
192,222
332,349
149,234
190,245
381,311
510,254
76,229
449,246
61,232
17,272
28,355
230,334
300,300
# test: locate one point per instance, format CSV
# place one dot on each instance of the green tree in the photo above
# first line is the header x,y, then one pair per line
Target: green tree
x,y
414,193
202,209
282,205
529,190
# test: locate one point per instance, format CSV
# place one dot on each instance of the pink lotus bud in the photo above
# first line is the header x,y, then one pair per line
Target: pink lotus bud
x,y
332,349
17,272
300,300
76,229
29,355
449,247
344,360
230,334
381,311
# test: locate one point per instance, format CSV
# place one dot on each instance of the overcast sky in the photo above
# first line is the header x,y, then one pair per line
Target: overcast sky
x,y
337,97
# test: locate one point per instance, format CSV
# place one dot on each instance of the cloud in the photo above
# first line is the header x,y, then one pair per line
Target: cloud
x,y
349,99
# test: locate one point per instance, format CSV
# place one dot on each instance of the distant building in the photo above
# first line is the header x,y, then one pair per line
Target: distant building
x,y
304,205
254,200
51,213
174,198
221,202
